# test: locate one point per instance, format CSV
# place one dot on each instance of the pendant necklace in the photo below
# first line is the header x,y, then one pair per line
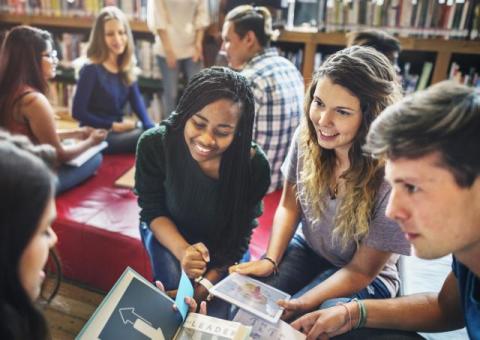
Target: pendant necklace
x,y
333,191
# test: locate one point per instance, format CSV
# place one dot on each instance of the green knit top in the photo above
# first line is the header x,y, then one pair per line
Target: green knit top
x,y
170,183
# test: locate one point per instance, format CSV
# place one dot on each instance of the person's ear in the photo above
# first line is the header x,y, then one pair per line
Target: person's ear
x,y
250,38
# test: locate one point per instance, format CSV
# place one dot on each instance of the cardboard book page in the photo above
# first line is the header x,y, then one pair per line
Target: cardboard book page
x,y
133,309
203,327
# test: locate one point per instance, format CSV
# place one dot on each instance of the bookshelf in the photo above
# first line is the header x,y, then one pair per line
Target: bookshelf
x,y
79,26
442,48
308,40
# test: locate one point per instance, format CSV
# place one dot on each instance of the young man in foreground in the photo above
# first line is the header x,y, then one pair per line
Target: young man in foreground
x,y
431,144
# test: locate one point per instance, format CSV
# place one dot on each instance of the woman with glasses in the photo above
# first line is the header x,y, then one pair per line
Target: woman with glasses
x,y
27,62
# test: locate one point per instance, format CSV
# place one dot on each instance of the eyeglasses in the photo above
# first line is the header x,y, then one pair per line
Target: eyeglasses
x,y
51,55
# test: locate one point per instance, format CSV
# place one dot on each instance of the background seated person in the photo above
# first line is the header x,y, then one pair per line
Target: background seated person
x,y
28,61
108,83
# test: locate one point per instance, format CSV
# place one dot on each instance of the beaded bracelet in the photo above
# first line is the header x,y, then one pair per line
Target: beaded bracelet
x,y
362,318
275,267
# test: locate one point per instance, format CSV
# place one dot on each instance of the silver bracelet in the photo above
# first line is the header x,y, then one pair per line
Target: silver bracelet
x,y
208,285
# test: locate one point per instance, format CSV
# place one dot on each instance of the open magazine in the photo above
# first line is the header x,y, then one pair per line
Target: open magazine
x,y
251,295
87,154
136,309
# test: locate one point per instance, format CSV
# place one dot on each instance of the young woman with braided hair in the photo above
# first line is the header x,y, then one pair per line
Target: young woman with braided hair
x,y
200,181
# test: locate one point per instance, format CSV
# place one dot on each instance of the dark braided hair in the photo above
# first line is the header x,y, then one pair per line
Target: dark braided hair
x,y
206,87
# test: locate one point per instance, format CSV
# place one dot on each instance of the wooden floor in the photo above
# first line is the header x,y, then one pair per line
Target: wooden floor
x,y
71,309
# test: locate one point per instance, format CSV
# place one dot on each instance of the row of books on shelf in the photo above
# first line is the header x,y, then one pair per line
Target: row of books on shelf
x,y
296,57
412,82
72,46
134,9
450,18
470,78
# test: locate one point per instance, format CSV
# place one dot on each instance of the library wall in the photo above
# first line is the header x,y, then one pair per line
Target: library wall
x,y
440,38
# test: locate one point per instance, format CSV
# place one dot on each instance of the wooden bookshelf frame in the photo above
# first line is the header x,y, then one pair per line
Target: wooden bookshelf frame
x,y
443,48
70,22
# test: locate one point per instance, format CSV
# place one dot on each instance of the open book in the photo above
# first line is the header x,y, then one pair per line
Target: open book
x,y
258,307
136,309
251,295
87,154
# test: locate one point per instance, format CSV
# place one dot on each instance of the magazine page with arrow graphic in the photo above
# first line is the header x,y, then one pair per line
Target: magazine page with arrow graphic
x,y
133,309
136,309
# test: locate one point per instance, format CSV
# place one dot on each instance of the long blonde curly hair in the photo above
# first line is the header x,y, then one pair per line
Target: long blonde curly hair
x,y
370,77
97,50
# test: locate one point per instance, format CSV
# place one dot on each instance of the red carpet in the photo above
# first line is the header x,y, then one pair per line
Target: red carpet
x,y
97,227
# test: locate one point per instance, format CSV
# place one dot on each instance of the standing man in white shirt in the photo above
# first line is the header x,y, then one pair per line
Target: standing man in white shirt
x,y
178,41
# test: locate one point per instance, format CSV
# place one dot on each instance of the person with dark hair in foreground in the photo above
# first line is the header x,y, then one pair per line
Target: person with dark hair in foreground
x,y
430,142
27,210
200,181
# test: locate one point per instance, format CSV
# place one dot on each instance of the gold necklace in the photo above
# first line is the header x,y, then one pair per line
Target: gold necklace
x,y
333,192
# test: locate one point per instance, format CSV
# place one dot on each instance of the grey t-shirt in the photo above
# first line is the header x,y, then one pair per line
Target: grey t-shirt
x,y
384,234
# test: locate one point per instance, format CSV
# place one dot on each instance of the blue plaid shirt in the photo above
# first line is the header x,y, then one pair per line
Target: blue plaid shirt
x,y
278,89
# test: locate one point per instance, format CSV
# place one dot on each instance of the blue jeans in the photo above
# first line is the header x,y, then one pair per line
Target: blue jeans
x,y
378,334
70,176
123,142
166,268
302,269
170,80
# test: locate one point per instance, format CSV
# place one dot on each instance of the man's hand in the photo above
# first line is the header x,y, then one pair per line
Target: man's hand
x,y
198,53
293,308
325,323
171,58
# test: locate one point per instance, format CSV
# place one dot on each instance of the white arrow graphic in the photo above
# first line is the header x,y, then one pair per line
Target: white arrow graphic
x,y
128,315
